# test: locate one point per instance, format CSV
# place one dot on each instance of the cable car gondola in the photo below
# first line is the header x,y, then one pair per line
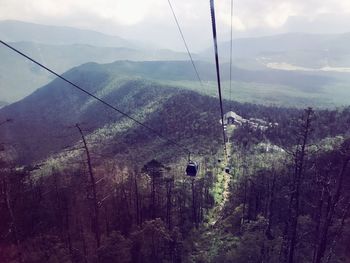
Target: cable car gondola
x,y
227,170
192,168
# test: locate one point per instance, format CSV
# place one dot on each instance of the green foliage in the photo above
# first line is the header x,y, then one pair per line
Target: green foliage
x,y
115,246
154,243
253,245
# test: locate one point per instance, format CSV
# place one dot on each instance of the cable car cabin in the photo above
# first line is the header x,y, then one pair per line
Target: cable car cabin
x,y
192,168
227,170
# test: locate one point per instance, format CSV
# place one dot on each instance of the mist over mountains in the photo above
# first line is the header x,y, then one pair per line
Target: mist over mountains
x,y
60,58
290,65
60,48
249,47
17,31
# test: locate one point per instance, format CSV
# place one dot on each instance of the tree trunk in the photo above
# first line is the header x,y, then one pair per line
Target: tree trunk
x,y
270,207
94,191
290,238
14,223
194,214
137,202
332,203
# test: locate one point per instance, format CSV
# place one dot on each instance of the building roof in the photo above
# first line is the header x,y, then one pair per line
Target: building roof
x,y
234,115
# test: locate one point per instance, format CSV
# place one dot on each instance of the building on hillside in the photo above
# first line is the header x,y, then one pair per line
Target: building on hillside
x,y
232,118
259,121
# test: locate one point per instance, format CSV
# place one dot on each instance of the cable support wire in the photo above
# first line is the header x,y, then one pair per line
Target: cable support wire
x,y
96,98
231,47
185,43
212,11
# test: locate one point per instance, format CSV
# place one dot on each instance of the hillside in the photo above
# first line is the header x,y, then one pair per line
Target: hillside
x,y
61,58
130,186
3,104
268,87
42,120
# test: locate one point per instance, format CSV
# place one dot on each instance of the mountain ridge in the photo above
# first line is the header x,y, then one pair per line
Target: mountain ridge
x,y
61,58
43,117
15,31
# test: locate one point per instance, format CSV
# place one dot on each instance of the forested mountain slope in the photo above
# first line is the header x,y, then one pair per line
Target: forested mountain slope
x,y
41,121
123,195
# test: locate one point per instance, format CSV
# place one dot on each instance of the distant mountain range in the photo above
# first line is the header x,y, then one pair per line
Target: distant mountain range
x,y
60,48
20,77
299,49
17,31
275,68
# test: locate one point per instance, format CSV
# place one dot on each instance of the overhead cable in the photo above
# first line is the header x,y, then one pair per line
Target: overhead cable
x,y
185,43
95,97
231,44
213,22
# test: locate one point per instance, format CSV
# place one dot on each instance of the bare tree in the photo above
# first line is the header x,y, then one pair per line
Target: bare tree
x,y
332,202
95,218
290,235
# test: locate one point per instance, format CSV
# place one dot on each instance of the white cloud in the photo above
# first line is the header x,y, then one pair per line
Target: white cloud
x,y
151,20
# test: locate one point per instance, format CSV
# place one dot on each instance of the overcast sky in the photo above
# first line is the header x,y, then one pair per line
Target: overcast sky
x,y
152,21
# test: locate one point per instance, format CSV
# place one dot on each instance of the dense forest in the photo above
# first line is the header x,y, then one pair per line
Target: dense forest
x,y
127,199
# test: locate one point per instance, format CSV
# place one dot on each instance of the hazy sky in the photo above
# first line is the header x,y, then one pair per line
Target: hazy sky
x,y
151,20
